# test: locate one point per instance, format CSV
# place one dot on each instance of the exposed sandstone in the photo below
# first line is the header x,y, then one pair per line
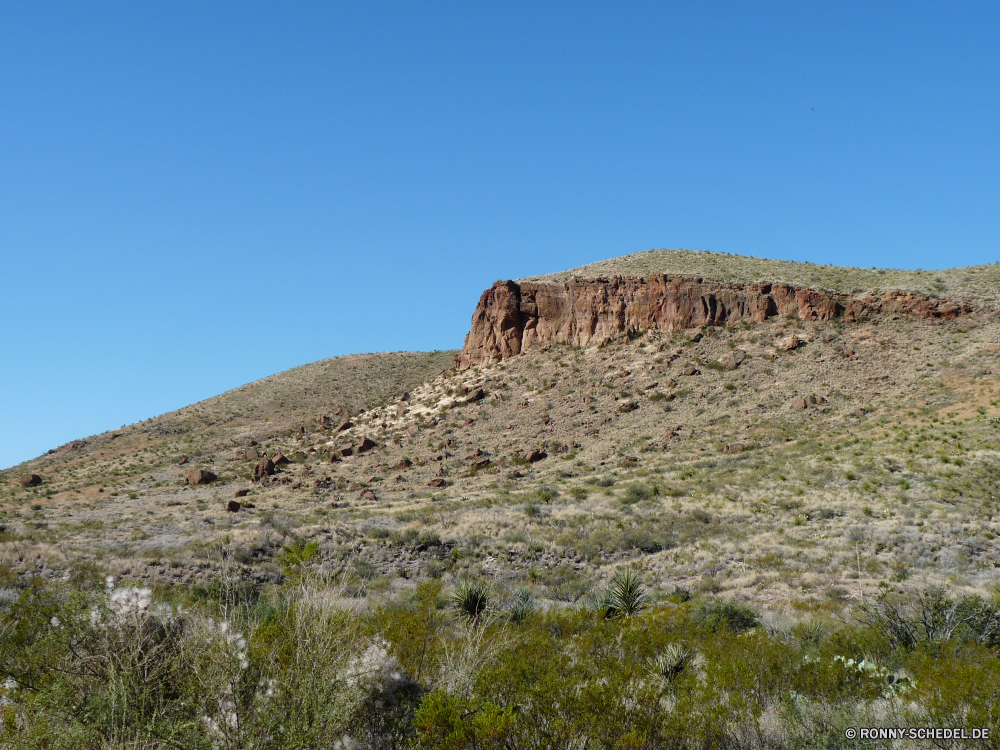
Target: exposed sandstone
x,y
511,317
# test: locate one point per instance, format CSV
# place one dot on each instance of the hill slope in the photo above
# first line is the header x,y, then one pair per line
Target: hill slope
x,y
782,460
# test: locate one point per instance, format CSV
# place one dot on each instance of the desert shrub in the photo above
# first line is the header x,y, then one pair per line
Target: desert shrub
x,y
714,614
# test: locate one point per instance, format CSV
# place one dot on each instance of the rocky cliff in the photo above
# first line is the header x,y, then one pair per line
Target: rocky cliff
x,y
512,317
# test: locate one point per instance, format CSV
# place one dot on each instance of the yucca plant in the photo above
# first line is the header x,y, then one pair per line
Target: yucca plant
x,y
521,607
626,596
670,662
471,600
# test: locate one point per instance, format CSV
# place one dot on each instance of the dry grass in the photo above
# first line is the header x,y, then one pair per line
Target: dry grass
x,y
979,285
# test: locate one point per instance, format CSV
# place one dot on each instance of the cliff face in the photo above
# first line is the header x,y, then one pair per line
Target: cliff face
x,y
511,317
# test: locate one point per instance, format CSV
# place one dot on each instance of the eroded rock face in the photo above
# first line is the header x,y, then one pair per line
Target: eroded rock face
x,y
512,317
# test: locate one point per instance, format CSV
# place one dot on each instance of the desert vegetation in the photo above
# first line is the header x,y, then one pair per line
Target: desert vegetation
x,y
110,663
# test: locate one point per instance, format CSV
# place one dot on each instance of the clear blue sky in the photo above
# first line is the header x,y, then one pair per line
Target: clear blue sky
x,y
197,195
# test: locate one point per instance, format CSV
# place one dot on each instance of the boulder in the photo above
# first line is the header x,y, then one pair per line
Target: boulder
x,y
345,425
628,462
403,465
367,494
199,476
535,456
264,467
733,360
30,480
789,342
232,507
365,445
436,483
799,403
279,459
250,454
690,370
344,451
242,493
184,460
737,447
477,395
628,406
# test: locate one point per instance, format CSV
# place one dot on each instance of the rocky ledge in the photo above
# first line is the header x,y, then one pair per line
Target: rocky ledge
x,y
512,317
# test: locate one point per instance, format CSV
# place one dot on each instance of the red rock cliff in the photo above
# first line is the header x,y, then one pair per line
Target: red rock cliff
x,y
513,317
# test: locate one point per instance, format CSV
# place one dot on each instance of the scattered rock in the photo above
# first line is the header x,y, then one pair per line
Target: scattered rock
x,y
440,471
536,455
344,450
232,507
278,459
199,476
184,460
690,370
628,462
695,337
413,430
436,483
405,397
799,403
302,430
242,493
365,445
251,454
586,400
515,474
480,465
628,406
30,480
345,425
367,494
737,447
403,465
477,395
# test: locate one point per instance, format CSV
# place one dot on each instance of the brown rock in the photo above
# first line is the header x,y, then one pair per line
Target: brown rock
x,y
403,465
440,471
413,430
511,317
480,465
436,483
628,462
690,370
199,476
628,406
345,451
365,445
184,460
737,448
477,395
789,342
30,480
302,430
242,493
264,467
733,360
278,459
345,425
367,495
232,507
535,456
799,403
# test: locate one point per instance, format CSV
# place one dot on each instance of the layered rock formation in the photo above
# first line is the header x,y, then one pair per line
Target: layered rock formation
x,y
512,317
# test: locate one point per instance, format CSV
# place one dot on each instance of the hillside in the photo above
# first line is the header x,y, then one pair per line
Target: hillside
x,y
683,511
779,460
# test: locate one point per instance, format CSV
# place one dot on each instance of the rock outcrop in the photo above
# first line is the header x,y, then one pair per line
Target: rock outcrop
x,y
511,317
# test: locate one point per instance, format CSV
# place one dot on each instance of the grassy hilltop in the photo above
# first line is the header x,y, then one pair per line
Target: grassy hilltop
x,y
977,284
